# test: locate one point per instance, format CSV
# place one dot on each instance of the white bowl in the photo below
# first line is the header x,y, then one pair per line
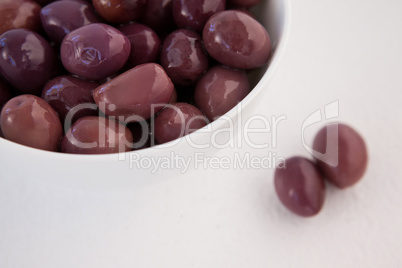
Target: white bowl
x,y
120,171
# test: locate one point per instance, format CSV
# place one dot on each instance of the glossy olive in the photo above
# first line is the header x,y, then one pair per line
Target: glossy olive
x,y
237,40
26,60
193,14
177,120
135,95
29,120
183,57
96,135
344,156
94,51
65,92
120,11
219,90
61,17
19,14
145,44
300,186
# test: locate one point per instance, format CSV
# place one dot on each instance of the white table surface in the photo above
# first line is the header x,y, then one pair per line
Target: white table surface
x,y
346,51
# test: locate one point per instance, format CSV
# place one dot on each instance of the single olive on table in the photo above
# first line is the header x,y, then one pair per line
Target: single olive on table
x,y
344,154
300,186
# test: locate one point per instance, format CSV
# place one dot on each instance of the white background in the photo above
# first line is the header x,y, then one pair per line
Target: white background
x,y
350,51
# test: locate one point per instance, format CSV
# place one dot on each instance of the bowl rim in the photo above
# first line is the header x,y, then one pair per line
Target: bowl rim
x,y
233,113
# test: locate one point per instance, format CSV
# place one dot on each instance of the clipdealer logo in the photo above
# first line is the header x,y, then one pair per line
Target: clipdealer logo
x,y
229,128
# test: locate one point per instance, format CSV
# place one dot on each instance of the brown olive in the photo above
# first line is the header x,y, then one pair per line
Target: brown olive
x,y
31,121
300,186
344,156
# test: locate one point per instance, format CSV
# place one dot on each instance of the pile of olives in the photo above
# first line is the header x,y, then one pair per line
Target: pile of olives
x,y
91,77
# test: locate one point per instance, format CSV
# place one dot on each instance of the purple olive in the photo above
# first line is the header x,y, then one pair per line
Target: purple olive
x,y
159,16
19,14
193,14
96,135
300,186
344,154
177,120
61,17
219,90
244,3
65,92
237,40
29,120
26,60
95,51
145,44
135,95
183,57
120,11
